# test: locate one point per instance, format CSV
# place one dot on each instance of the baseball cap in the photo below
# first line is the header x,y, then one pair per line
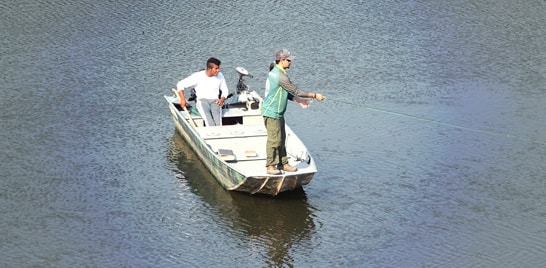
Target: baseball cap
x,y
284,54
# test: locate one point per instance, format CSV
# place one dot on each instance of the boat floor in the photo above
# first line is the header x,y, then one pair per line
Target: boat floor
x,y
245,141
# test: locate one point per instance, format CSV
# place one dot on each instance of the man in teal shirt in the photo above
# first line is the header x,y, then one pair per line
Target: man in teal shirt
x,y
279,89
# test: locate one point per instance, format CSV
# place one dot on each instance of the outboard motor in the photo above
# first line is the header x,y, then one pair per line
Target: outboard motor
x,y
250,98
241,85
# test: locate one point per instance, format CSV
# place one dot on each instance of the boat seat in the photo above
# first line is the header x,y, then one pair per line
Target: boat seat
x,y
231,131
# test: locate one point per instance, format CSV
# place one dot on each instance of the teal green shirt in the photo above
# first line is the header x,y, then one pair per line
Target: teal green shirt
x,y
281,89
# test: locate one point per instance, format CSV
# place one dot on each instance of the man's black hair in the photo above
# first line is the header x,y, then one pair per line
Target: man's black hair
x,y
214,61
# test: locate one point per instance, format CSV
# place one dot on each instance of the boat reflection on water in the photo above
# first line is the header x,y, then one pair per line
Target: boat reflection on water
x,y
271,225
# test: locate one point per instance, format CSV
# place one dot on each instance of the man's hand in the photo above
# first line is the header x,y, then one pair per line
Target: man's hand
x,y
183,103
220,102
182,98
319,97
303,102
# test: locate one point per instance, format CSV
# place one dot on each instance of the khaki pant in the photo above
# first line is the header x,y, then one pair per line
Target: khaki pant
x,y
276,142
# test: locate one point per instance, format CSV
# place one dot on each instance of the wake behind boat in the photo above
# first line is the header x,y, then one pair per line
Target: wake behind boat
x,y
235,152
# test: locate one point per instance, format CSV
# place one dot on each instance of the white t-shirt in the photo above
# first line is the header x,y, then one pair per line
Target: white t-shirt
x,y
205,87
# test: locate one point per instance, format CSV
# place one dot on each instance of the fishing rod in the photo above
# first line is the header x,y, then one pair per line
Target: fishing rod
x,y
438,122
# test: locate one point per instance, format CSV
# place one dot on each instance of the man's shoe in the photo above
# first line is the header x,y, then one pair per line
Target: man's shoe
x,y
289,168
273,170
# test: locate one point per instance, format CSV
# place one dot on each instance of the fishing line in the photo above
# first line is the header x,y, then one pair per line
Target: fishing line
x,y
439,122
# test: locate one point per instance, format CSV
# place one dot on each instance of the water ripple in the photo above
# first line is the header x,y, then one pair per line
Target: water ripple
x,y
94,174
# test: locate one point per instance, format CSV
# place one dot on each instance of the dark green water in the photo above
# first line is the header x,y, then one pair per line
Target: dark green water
x,y
431,147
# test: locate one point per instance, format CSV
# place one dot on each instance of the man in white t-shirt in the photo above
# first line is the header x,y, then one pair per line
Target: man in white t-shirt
x,y
210,90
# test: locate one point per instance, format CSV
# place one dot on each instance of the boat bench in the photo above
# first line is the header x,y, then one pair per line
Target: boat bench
x,y
239,139
231,132
231,116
